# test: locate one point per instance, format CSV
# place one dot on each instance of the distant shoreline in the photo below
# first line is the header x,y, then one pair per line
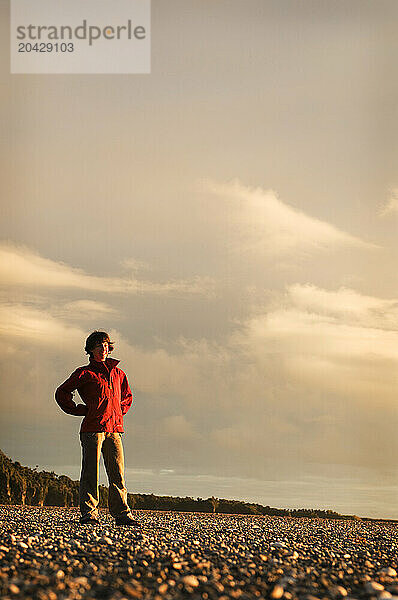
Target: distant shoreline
x,y
24,486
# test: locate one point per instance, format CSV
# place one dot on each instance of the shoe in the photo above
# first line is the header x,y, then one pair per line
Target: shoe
x,y
126,520
89,521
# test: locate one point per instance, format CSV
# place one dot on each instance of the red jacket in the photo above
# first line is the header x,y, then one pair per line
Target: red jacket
x,y
106,394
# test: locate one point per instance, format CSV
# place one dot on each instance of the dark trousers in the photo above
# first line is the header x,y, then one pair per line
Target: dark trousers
x,y
112,450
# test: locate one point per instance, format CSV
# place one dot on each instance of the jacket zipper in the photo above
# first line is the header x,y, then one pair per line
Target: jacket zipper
x,y
111,399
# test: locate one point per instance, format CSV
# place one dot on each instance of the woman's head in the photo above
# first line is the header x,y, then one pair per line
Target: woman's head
x,y
98,345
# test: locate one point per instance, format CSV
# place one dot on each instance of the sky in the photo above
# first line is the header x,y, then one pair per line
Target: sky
x,y
231,220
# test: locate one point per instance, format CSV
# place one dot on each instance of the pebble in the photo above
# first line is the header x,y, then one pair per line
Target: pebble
x,y
373,587
278,544
190,580
14,589
46,555
277,592
340,591
107,540
389,571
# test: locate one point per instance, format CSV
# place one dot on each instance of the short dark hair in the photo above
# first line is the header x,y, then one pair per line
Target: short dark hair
x,y
97,337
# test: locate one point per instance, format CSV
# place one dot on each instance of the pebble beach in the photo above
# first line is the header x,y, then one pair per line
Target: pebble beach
x,y
46,554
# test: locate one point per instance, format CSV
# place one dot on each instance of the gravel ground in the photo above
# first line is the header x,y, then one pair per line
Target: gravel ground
x,y
46,554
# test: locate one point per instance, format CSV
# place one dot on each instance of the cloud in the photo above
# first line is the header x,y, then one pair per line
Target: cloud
x,y
20,266
178,428
336,340
310,377
133,264
391,206
346,304
339,340
267,224
85,309
318,335
26,324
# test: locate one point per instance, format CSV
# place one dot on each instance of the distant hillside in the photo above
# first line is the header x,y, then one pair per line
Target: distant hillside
x,y
22,485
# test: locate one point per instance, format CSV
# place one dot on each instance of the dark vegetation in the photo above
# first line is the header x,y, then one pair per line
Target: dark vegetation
x,y
26,486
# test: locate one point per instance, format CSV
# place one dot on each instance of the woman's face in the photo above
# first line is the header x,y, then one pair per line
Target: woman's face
x,y
100,351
